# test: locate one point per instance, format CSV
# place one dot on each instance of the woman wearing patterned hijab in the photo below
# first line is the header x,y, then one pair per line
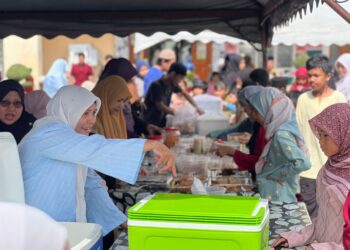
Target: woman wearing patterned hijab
x,y
284,156
332,129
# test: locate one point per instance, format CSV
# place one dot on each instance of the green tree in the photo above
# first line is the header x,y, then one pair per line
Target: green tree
x,y
300,60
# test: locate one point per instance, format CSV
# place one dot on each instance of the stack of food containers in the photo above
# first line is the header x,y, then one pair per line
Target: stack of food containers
x,y
214,118
189,222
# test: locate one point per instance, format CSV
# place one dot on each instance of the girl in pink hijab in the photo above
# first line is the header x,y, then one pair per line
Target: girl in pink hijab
x,y
332,129
301,81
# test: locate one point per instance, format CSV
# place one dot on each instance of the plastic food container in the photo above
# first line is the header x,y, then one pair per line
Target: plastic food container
x,y
171,136
183,183
205,222
84,236
233,184
234,136
211,190
191,164
210,122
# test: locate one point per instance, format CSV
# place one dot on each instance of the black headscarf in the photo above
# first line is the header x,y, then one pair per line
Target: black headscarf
x,y
25,122
120,67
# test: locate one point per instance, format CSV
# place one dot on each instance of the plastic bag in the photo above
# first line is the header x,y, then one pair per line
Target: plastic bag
x,y
185,119
198,187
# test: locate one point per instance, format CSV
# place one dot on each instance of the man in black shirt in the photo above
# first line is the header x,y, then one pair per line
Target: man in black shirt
x,y
158,96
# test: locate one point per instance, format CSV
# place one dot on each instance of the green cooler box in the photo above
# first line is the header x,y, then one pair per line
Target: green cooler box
x,y
191,222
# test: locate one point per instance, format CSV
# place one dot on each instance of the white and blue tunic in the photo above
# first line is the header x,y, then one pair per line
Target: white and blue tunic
x,y
50,157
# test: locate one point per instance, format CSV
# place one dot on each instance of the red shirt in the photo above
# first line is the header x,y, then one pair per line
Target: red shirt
x,y
247,161
300,88
346,232
81,73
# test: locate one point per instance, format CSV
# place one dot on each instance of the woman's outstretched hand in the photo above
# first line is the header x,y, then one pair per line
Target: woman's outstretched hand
x,y
165,158
280,241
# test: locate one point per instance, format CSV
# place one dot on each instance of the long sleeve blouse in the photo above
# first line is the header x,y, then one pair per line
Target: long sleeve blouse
x,y
346,230
49,158
325,232
247,161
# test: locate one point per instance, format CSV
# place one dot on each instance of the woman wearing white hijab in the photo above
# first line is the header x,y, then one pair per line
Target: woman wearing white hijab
x,y
342,66
58,158
23,227
56,77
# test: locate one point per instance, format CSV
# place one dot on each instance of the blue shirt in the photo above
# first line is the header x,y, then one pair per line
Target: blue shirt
x,y
153,75
49,157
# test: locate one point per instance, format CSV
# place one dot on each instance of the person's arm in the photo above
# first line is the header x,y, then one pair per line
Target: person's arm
x,y
305,237
245,126
248,161
153,129
115,157
193,103
245,161
140,126
164,108
293,239
166,157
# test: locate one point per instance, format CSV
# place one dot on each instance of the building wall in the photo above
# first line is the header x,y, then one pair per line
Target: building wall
x,y
58,48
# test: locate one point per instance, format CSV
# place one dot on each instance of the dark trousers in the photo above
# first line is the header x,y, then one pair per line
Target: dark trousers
x,y
108,240
308,193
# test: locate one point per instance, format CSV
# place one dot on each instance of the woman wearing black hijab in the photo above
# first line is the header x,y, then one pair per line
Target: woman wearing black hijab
x,y
13,117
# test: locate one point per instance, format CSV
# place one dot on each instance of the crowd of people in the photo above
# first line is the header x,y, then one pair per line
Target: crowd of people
x,y
75,141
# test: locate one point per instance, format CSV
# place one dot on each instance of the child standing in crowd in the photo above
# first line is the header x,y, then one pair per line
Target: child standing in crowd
x,y
230,106
301,81
310,104
213,80
332,129
284,156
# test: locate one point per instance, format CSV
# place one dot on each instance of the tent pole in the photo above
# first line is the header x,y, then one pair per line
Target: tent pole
x,y
264,56
264,43
339,9
131,44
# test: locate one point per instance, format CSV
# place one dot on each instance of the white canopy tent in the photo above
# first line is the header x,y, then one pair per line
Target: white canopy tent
x,y
143,42
322,26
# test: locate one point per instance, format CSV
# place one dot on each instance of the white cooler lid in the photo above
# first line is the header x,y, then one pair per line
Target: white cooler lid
x,y
82,235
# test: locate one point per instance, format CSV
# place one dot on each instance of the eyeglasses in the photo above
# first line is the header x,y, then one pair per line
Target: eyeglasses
x,y
6,104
